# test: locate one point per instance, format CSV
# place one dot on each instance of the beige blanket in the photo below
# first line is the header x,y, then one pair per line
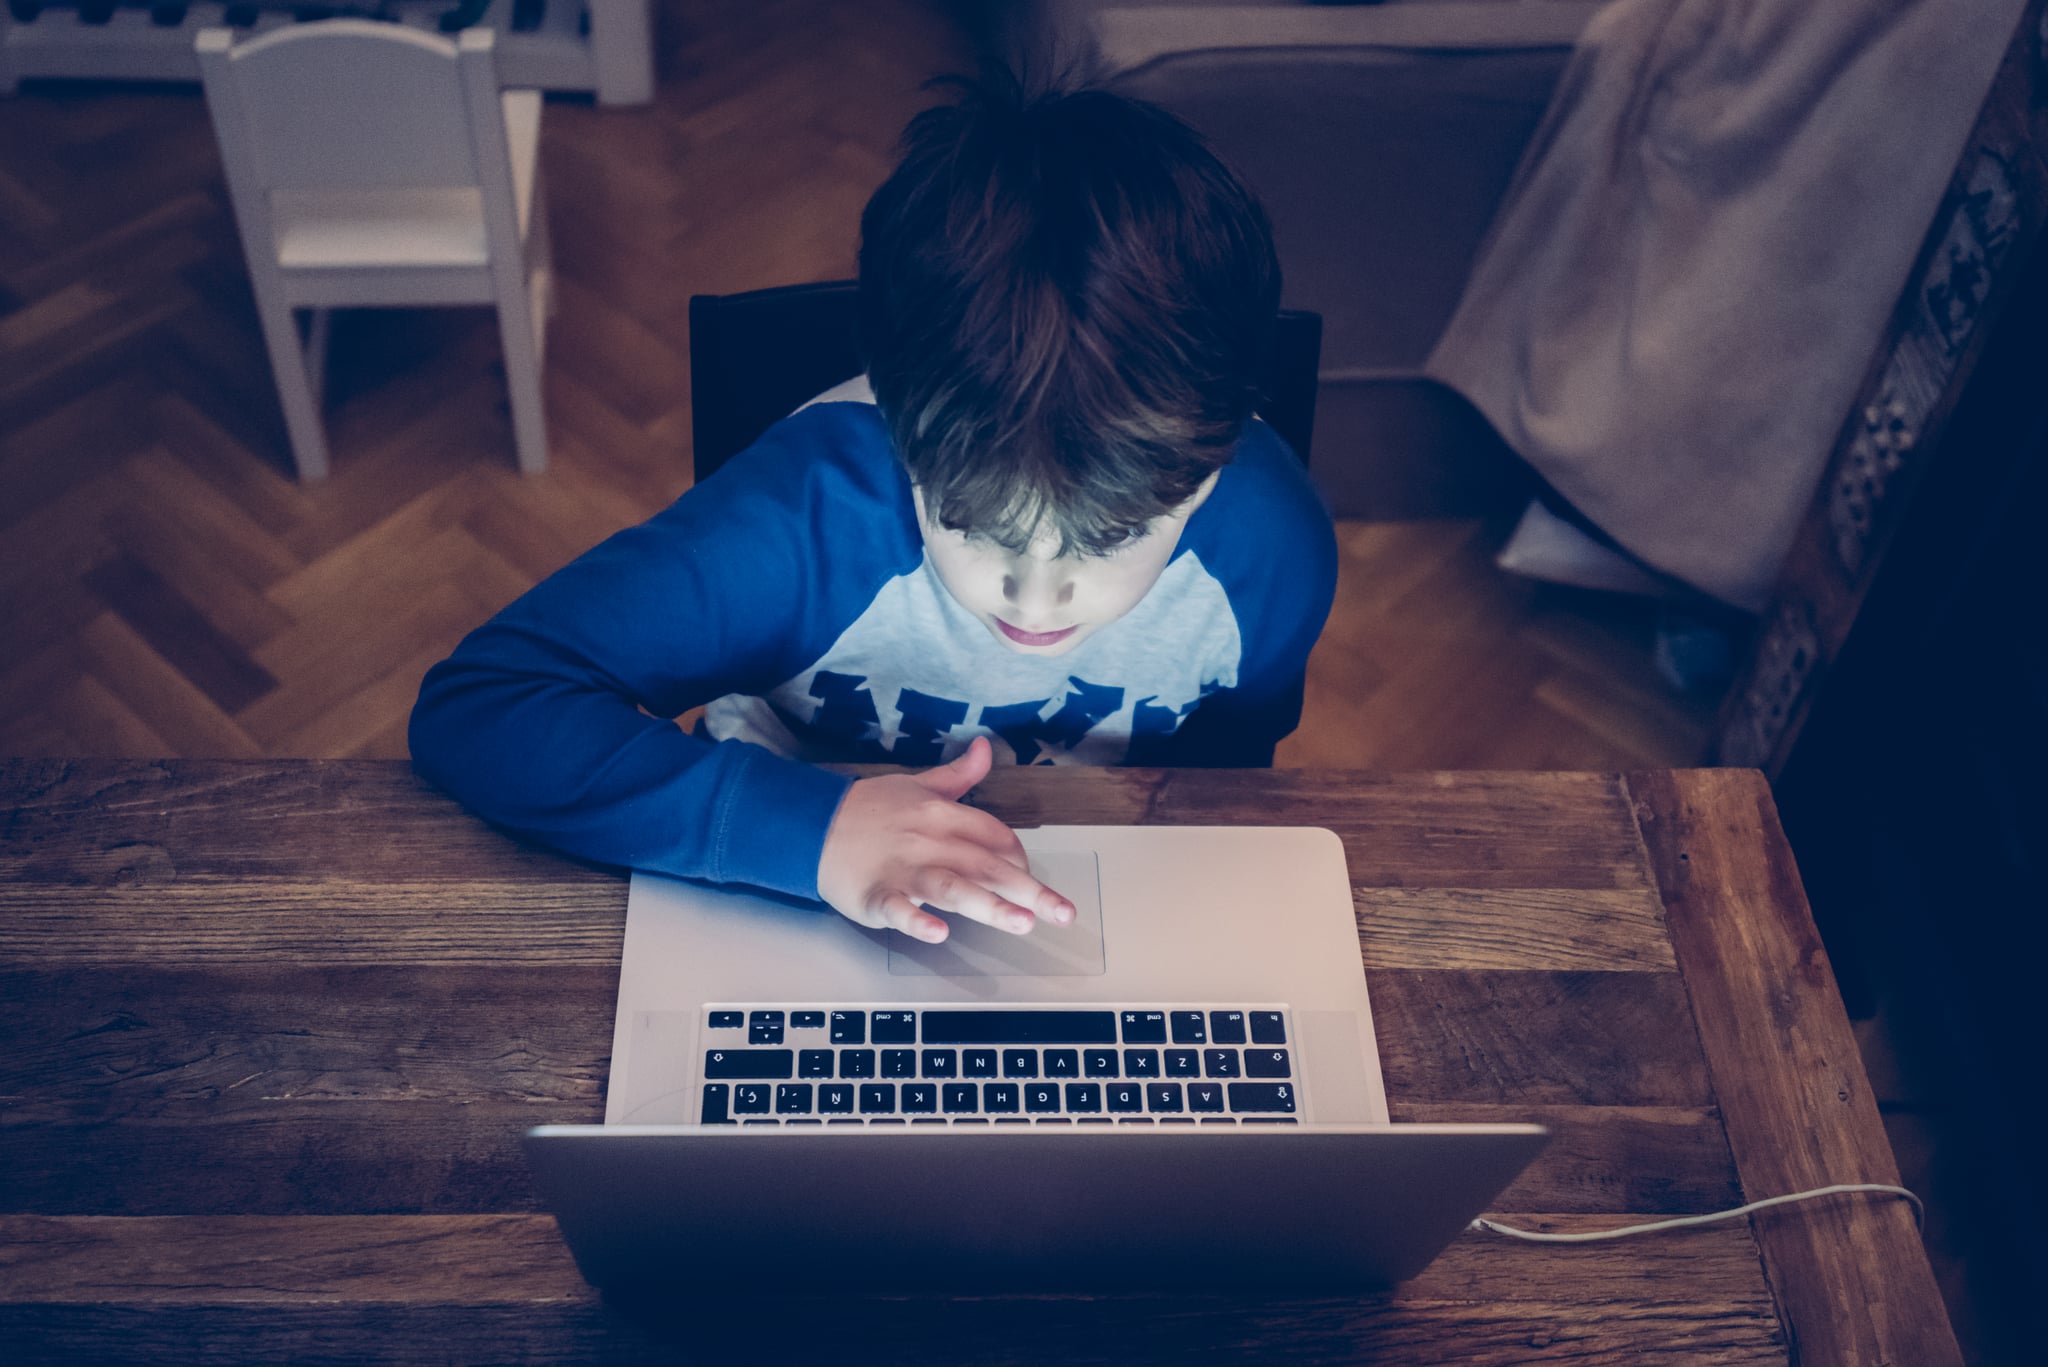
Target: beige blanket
x,y
1699,254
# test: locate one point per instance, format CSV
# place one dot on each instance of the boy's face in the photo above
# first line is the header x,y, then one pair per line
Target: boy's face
x,y
1038,602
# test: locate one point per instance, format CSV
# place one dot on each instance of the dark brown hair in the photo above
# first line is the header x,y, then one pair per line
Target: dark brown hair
x,y
1065,300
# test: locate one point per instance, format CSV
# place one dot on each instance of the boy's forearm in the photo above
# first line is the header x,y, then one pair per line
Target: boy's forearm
x,y
588,774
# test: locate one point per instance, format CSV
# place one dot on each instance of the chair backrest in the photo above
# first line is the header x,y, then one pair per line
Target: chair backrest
x,y
755,357
350,104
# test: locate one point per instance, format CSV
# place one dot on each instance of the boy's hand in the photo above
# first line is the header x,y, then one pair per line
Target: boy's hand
x,y
904,839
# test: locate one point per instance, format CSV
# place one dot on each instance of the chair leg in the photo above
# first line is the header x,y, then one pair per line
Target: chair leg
x,y
540,259
318,328
518,333
540,269
296,390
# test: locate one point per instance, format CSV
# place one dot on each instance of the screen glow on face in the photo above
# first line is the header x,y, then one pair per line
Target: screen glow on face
x,y
1039,602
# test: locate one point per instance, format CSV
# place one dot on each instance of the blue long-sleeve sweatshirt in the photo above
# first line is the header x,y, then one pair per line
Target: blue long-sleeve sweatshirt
x,y
791,593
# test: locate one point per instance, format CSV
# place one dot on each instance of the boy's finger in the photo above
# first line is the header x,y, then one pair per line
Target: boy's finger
x,y
1017,887
953,779
950,890
898,912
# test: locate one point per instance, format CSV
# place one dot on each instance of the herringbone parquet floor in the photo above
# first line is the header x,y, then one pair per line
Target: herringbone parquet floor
x,y
167,589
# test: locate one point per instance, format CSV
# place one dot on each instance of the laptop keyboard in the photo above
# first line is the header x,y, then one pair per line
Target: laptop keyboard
x,y
1026,1065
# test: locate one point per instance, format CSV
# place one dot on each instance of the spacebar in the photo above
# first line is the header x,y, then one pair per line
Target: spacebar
x,y
1020,1027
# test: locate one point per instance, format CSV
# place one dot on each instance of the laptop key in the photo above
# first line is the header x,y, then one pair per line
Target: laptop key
x,y
959,1097
1020,1063
1084,1096
764,1027
843,1122
749,1063
1124,1096
1144,1027
793,1098
1269,1027
877,1097
836,1098
1020,1027
1220,1062
1266,1063
941,1063
928,1120
999,1096
716,1097
894,1027
856,1063
849,1027
1183,1063
1226,1027
1205,1096
1141,1063
1099,1062
1041,1097
728,1020
806,1020
751,1098
1189,1027
1062,1063
1134,1120
1219,1120
1270,1120
978,1063
814,1063
899,1063
1162,1096
770,1121
920,1097
1261,1096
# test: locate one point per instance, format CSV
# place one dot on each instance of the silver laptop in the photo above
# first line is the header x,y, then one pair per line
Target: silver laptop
x,y
1181,1088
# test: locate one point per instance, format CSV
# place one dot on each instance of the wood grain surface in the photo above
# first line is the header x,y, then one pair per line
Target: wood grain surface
x,y
272,1029
1790,1082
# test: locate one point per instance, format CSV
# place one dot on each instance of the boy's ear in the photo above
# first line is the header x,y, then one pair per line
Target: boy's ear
x,y
1201,495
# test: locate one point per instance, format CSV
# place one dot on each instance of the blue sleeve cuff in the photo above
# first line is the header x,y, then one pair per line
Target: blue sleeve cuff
x,y
769,831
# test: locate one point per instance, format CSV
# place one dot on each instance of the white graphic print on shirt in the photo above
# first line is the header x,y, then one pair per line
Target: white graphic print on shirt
x,y
916,677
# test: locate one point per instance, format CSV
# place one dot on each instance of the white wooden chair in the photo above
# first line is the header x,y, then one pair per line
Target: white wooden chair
x,y
372,164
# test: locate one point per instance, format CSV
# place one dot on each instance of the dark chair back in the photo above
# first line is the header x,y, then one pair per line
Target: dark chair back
x,y
755,356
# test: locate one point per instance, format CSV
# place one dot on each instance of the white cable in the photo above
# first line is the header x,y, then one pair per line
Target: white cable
x,y
1588,1236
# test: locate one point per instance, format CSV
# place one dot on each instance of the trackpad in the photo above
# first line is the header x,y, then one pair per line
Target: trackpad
x,y
973,950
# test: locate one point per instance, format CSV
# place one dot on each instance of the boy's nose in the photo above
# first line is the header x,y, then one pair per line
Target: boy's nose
x,y
1036,587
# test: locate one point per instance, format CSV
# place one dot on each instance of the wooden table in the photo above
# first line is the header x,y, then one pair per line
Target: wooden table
x,y
269,1031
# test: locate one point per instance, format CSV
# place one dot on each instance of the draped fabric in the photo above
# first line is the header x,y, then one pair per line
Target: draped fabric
x,y
1699,253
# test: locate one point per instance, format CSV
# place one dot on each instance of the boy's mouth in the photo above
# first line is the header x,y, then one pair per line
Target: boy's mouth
x,y
1035,638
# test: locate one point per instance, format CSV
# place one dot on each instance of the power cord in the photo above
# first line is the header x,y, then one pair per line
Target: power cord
x,y
1589,1236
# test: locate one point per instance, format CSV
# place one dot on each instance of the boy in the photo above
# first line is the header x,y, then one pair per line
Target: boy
x,y
1051,532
